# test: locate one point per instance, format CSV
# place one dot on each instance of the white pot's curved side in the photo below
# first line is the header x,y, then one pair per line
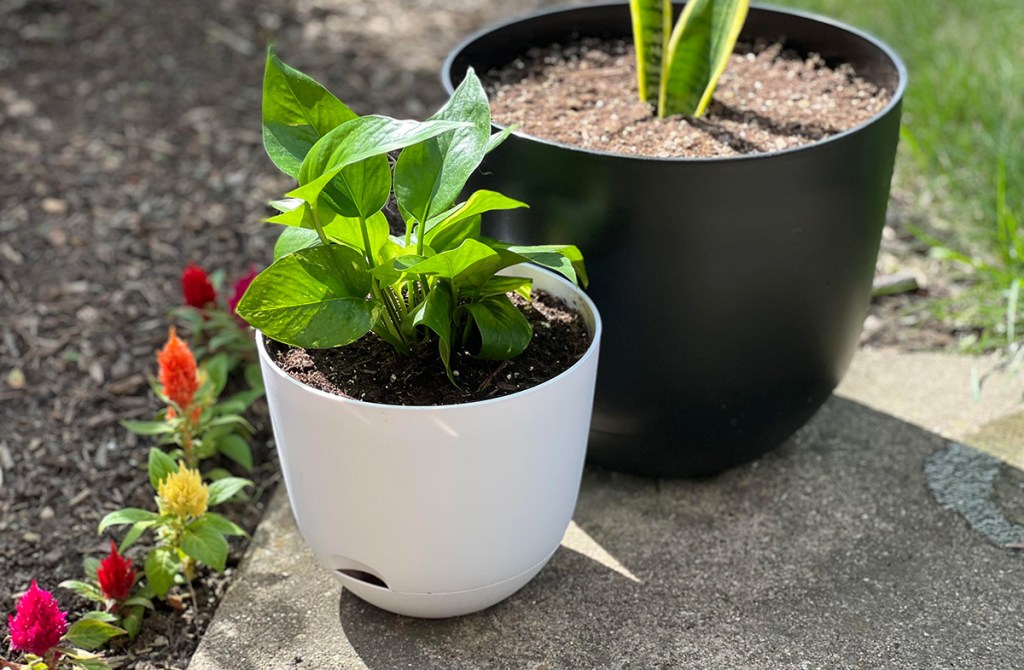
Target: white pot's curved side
x,y
452,507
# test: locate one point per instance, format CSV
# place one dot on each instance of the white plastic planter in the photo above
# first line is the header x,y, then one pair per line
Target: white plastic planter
x,y
437,511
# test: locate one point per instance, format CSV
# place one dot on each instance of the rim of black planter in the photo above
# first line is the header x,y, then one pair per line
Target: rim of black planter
x,y
894,100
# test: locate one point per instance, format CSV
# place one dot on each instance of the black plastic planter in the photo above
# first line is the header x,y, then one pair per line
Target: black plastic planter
x,y
732,341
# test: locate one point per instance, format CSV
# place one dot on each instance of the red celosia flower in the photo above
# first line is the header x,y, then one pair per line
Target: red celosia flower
x,y
116,575
38,624
240,287
196,287
178,370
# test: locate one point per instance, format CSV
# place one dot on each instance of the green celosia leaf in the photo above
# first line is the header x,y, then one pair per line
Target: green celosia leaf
x,y
91,566
239,402
504,331
140,601
205,545
697,53
652,21
220,524
134,533
109,617
231,420
162,565
237,449
217,368
160,465
297,111
148,427
86,590
132,620
90,664
91,633
314,298
127,515
222,489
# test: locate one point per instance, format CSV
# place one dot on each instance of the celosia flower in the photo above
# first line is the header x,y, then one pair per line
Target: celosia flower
x,y
178,372
193,416
116,575
183,493
38,623
240,287
196,287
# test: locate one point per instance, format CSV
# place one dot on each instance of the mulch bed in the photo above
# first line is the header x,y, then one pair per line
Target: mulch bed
x,y
131,144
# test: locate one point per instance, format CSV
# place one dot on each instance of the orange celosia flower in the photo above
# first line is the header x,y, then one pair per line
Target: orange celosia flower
x,y
178,373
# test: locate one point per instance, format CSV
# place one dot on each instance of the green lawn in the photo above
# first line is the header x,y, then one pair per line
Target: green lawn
x,y
964,110
963,115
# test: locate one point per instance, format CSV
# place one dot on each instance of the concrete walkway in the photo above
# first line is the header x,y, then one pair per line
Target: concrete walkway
x,y
864,542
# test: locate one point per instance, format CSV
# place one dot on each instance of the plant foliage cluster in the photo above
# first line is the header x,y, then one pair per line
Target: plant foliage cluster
x,y
338,272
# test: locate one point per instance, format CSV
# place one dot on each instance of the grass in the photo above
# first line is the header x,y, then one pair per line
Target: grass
x,y
961,163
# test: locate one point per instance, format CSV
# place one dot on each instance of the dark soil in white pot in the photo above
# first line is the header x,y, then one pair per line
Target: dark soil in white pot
x,y
584,94
370,369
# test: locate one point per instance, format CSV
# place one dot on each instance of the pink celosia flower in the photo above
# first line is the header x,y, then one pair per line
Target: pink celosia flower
x,y
38,623
240,287
196,287
116,575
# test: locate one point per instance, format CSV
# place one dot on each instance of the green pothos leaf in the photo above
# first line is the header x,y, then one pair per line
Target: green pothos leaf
x,y
504,331
314,297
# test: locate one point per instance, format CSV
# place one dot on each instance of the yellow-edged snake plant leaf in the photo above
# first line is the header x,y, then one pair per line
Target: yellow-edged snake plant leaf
x,y
652,21
697,53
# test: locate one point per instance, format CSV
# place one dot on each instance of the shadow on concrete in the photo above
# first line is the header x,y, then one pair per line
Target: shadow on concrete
x,y
829,552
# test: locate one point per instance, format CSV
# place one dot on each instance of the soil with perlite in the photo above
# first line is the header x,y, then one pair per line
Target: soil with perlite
x,y
585,94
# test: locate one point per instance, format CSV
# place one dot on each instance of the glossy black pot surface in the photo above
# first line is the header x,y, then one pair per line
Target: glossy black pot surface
x,y
733,289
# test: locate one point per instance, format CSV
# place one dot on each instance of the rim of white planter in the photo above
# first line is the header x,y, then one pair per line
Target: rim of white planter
x,y
442,510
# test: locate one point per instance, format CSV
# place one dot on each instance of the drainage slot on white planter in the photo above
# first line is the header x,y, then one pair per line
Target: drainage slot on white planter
x,y
364,576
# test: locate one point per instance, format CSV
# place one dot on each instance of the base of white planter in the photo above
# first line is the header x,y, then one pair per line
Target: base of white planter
x,y
439,605
437,511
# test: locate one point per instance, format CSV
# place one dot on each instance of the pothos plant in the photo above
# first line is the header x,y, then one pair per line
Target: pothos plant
x,y
678,68
338,274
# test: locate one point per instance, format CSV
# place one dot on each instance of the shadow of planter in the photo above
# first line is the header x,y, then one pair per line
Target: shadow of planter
x,y
734,289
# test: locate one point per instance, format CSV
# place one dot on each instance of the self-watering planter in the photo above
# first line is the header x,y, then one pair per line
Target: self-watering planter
x,y
444,510
758,304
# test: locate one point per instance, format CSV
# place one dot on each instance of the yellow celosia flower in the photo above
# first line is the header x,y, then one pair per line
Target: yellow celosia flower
x,y
183,493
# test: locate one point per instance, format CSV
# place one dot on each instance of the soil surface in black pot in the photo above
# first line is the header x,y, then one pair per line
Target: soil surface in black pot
x,y
370,370
584,94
